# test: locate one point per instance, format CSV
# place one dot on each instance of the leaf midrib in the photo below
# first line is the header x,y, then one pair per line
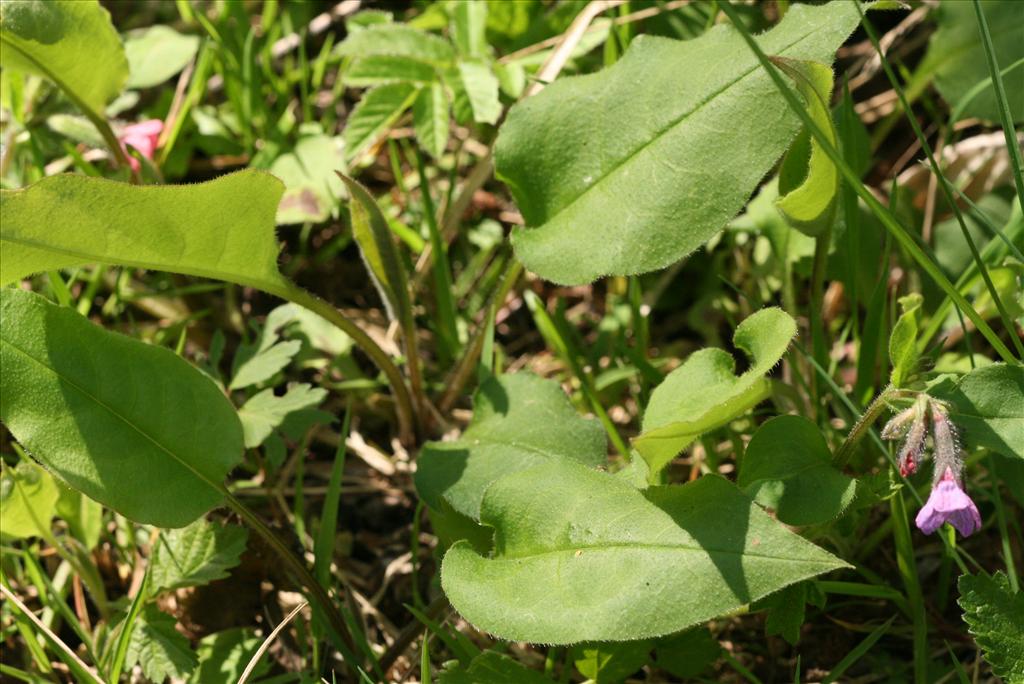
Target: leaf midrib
x,y
671,126
216,486
659,547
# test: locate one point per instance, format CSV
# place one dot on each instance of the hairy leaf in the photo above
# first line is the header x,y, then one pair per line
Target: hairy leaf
x,y
197,554
581,555
787,468
131,425
264,412
994,614
156,53
28,500
222,229
519,421
987,405
632,168
158,647
70,42
705,393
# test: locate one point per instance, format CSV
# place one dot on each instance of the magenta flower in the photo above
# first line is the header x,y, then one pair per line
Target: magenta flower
x,y
949,503
143,137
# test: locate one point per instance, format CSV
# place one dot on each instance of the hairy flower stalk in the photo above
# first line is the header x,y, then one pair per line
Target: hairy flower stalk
x,y
948,501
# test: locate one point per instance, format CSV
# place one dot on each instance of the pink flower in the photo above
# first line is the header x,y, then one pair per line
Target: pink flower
x,y
949,503
142,136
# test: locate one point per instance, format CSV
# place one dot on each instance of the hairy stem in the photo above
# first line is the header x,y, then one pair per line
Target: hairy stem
x,y
860,429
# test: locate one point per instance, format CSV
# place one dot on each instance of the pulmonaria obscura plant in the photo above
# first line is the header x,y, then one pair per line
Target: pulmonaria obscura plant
x,y
948,501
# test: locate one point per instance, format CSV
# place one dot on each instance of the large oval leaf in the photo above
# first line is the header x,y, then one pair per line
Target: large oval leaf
x,y
223,229
705,392
582,555
131,425
519,421
632,168
70,42
987,405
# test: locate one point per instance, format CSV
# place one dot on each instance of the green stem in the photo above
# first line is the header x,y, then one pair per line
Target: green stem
x,y
819,347
860,429
908,571
403,400
884,216
301,572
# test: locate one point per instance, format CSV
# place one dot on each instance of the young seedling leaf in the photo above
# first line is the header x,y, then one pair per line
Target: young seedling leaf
x,y
519,421
196,554
266,411
223,657
581,555
28,501
810,204
133,426
222,229
705,393
787,468
903,341
994,614
987,405
158,647
607,663
630,169
70,42
264,364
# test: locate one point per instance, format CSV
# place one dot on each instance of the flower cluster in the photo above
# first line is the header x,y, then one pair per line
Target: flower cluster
x,y
948,501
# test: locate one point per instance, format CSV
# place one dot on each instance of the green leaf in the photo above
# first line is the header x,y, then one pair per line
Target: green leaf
x,y
70,42
380,69
903,341
83,516
158,647
956,56
987,405
28,500
264,364
430,117
705,393
157,53
397,40
315,332
788,468
630,169
264,412
130,425
810,206
469,24
223,657
195,555
995,617
311,188
581,555
481,86
374,115
688,654
492,668
519,421
222,229
786,612
370,230
609,663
